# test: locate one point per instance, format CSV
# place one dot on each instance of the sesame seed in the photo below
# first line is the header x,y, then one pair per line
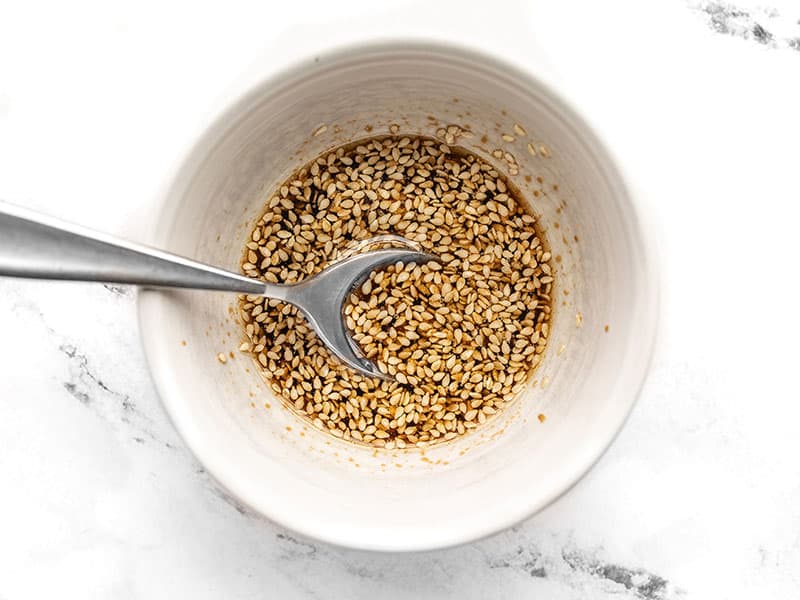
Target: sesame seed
x,y
460,337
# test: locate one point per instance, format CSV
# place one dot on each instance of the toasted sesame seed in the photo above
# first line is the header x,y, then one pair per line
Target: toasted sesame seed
x,y
460,336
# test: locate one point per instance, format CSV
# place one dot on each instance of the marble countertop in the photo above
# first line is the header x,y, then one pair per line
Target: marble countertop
x,y
699,497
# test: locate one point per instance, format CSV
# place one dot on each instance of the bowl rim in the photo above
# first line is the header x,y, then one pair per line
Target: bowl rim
x,y
635,371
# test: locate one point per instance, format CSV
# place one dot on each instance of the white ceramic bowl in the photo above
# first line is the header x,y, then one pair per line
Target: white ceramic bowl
x,y
514,465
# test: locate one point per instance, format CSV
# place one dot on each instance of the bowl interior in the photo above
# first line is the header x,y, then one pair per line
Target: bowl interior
x,y
602,327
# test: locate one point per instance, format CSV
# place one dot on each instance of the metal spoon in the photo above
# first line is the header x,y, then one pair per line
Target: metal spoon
x,y
36,246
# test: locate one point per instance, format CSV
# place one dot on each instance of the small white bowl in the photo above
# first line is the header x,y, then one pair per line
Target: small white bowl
x,y
601,337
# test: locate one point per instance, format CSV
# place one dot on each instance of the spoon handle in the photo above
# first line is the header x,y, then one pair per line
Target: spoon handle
x,y
35,246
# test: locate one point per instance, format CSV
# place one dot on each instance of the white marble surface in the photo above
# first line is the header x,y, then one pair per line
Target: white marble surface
x,y
700,495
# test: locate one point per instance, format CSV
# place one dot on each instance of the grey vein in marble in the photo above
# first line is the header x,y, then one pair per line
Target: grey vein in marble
x,y
552,557
118,290
642,583
89,388
223,495
112,405
765,26
527,559
558,558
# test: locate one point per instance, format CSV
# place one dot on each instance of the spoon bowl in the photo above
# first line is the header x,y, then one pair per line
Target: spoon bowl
x,y
321,299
